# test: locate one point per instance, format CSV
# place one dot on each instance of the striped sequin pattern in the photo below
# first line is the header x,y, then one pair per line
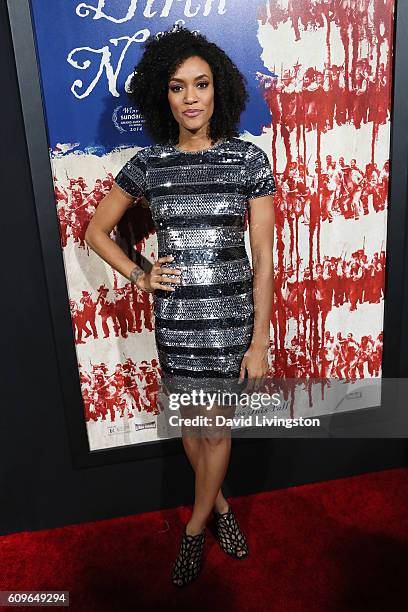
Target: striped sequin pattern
x,y
199,202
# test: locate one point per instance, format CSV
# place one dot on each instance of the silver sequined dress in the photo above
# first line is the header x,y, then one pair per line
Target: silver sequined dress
x,y
198,202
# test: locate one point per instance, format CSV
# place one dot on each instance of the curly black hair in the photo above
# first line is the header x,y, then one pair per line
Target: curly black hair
x,y
148,91
148,87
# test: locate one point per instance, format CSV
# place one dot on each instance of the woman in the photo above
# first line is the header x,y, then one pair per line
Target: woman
x,y
211,315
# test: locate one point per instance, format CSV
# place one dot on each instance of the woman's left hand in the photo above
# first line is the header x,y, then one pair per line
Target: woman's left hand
x,y
255,363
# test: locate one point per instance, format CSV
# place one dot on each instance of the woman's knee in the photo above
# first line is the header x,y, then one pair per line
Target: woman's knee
x,y
215,439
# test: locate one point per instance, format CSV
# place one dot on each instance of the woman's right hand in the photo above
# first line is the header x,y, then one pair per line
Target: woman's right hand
x,y
149,281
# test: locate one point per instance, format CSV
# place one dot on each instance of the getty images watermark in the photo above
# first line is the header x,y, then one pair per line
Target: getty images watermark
x,y
254,410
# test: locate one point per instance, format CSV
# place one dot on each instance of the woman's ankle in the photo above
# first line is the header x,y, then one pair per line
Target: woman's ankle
x,y
221,506
194,528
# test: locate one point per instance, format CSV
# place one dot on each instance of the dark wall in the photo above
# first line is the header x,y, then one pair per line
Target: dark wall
x,y
39,486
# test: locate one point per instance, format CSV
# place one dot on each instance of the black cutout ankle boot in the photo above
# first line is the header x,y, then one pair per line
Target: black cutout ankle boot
x,y
188,562
229,534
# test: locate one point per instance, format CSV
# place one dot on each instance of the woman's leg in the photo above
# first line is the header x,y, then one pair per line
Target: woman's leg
x,y
192,446
210,453
210,472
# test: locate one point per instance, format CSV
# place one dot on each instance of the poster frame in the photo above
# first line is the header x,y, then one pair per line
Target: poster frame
x,y
33,109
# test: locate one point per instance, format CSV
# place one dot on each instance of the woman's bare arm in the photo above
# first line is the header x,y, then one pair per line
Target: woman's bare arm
x,y
109,212
261,235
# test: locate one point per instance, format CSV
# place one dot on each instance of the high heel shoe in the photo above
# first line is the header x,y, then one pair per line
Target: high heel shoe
x,y
188,561
229,534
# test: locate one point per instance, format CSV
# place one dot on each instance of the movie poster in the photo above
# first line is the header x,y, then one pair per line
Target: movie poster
x,y
319,74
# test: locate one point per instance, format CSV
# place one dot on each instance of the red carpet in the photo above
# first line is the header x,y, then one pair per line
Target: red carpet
x,y
337,545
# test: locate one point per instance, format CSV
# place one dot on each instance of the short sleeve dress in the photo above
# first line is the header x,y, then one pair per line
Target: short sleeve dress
x,y
198,201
